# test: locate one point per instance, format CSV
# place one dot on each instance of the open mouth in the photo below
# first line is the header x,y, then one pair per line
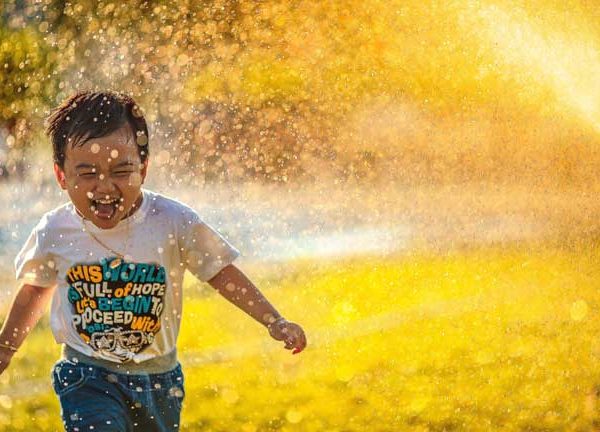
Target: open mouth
x,y
105,208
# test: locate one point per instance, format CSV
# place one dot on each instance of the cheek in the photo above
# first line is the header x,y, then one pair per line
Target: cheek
x,y
73,182
80,185
135,180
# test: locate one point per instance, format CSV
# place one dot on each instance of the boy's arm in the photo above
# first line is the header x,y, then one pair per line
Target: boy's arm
x,y
232,284
25,311
239,290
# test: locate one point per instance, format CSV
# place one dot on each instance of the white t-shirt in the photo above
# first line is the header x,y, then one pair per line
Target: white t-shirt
x,y
121,309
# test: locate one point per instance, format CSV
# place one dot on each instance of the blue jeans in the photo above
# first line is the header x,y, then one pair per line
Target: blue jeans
x,y
96,399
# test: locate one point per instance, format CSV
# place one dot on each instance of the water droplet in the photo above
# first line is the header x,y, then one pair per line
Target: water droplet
x,y
293,416
141,140
175,392
268,318
136,111
579,310
6,402
230,396
112,378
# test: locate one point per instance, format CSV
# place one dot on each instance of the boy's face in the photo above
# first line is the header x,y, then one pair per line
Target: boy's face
x,y
103,177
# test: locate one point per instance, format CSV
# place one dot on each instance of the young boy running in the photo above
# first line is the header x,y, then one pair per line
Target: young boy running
x,y
112,261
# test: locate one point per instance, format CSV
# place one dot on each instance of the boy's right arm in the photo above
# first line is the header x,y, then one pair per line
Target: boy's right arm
x,y
25,311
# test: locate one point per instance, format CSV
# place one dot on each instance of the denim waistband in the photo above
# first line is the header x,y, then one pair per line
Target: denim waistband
x,y
153,366
136,383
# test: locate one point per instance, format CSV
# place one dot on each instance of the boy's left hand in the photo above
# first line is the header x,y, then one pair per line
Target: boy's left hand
x,y
290,332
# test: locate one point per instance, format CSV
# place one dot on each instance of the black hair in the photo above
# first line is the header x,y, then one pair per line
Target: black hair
x,y
87,115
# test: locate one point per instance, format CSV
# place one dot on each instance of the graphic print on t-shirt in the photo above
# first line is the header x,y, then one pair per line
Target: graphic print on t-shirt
x,y
117,304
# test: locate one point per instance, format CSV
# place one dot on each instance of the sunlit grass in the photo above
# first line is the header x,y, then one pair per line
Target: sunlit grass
x,y
488,339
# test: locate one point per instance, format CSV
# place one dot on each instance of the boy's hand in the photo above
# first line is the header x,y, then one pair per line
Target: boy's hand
x,y
5,358
291,333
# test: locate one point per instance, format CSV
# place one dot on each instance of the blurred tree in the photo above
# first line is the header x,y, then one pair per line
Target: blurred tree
x,y
276,91
28,83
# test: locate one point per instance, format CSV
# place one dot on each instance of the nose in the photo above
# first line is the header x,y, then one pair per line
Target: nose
x,y
105,185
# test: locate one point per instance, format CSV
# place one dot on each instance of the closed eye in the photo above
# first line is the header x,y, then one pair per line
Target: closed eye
x,y
87,174
122,173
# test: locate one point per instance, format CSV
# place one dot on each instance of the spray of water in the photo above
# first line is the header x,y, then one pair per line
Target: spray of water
x,y
568,64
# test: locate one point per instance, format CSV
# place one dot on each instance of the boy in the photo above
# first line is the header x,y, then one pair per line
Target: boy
x,y
112,260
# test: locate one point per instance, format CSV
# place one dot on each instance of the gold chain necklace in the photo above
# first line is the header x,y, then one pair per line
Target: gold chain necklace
x,y
120,257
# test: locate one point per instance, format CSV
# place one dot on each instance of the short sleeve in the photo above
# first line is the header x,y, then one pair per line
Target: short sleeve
x,y
34,265
205,252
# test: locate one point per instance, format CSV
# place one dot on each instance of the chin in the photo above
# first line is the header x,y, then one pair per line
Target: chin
x,y
100,222
105,224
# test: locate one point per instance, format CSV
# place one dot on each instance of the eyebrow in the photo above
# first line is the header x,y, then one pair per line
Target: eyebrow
x,y
84,166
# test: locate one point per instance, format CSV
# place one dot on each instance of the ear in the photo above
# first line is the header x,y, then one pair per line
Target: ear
x,y
59,173
144,170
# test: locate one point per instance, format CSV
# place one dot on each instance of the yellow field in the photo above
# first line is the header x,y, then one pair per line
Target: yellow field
x,y
488,339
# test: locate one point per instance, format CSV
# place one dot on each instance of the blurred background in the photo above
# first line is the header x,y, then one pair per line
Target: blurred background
x,y
434,162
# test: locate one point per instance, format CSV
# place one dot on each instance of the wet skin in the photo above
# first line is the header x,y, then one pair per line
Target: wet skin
x,y
103,177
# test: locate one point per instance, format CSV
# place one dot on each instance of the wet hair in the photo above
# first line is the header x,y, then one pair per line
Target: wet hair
x,y
87,115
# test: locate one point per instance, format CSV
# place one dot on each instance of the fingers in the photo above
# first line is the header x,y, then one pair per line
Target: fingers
x,y
301,345
291,334
296,341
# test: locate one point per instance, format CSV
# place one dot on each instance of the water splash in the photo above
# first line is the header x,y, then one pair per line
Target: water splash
x,y
567,63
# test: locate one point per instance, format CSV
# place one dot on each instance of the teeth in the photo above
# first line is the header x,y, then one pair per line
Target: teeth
x,y
104,201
